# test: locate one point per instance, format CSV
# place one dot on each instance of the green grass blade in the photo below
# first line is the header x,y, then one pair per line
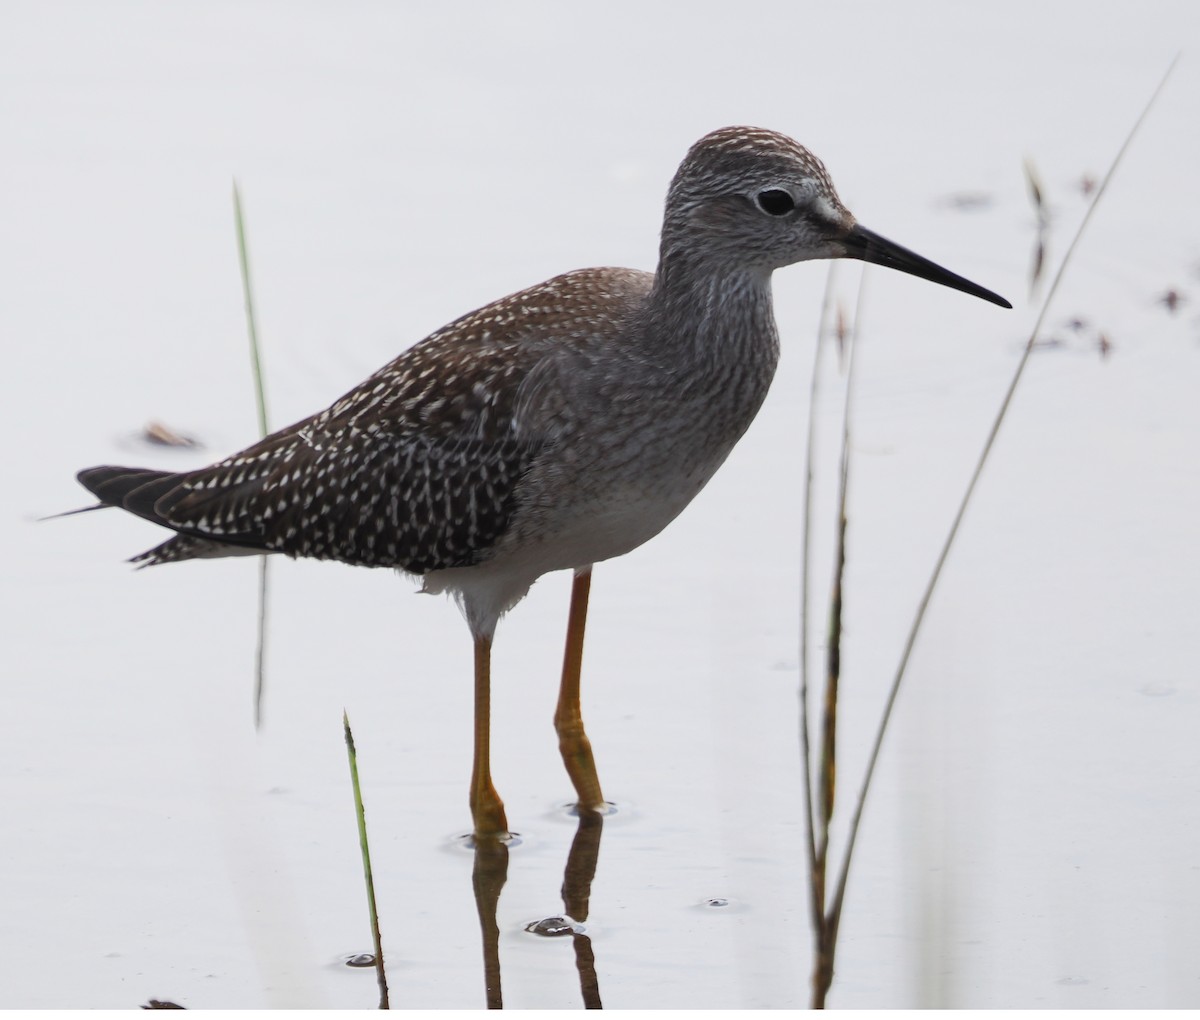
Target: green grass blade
x,y
260,642
364,845
260,395
260,399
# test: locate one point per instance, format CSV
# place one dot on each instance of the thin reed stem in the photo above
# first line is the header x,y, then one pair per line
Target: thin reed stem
x,y
923,605
828,923
260,395
260,400
816,879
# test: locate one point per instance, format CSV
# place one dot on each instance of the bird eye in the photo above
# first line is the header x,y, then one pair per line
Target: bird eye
x,y
775,202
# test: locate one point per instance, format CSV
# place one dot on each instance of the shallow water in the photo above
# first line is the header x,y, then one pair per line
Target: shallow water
x,y
1032,836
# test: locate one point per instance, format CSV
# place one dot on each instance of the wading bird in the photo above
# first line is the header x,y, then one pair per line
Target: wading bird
x,y
553,429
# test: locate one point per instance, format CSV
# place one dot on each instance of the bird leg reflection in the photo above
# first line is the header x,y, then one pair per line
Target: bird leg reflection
x,y
487,880
576,893
573,744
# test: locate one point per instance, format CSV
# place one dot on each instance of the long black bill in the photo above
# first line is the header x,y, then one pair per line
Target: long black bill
x,y
861,243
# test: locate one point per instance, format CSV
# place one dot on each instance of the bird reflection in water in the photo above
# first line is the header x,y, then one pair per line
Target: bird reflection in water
x,y
488,878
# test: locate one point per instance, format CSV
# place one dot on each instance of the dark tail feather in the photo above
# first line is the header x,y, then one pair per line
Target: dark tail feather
x,y
72,513
139,490
132,489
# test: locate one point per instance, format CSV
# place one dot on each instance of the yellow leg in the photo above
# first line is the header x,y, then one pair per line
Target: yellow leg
x,y
487,809
573,743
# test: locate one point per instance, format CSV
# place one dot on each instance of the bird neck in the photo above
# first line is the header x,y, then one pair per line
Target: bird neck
x,y
715,311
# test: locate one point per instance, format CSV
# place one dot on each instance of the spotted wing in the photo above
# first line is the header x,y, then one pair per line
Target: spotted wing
x,y
418,467
372,499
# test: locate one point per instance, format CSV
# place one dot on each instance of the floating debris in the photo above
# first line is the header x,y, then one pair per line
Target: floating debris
x,y
1049,343
1172,299
967,201
360,960
554,927
160,435
1036,192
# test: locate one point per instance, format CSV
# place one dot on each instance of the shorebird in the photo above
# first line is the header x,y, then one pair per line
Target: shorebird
x,y
556,428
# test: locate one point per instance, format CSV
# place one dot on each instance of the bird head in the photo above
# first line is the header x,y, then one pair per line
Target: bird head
x,y
751,199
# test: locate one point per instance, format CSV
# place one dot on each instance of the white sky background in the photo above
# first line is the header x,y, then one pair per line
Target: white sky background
x,y
1033,838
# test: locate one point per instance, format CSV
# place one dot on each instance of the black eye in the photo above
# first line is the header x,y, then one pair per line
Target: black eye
x,y
776,203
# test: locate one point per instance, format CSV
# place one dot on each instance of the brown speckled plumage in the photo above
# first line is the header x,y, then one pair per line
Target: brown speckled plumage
x,y
559,426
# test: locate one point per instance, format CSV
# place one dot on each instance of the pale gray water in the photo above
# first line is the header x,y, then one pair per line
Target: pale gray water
x,y
1032,840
